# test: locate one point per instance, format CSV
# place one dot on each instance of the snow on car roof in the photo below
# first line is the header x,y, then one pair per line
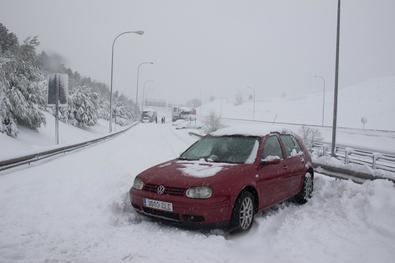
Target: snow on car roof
x,y
246,131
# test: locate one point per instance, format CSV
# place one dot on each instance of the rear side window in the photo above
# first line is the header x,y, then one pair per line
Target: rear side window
x,y
291,146
272,148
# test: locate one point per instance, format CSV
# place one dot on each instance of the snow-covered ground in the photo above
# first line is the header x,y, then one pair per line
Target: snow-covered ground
x,y
30,141
76,209
372,99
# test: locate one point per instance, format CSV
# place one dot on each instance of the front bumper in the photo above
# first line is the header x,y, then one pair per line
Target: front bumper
x,y
212,211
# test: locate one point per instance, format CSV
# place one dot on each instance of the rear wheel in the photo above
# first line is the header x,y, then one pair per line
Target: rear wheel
x,y
307,190
243,212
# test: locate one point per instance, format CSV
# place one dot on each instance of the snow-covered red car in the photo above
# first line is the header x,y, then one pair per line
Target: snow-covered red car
x,y
225,178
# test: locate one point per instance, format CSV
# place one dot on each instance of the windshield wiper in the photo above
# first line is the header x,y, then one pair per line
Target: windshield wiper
x,y
207,159
186,159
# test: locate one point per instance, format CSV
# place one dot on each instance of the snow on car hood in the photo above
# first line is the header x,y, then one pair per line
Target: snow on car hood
x,y
201,169
183,173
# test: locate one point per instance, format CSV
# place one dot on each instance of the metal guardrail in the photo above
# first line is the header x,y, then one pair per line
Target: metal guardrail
x,y
350,155
30,158
349,129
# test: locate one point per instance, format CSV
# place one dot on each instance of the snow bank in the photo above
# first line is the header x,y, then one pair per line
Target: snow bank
x,y
334,162
31,141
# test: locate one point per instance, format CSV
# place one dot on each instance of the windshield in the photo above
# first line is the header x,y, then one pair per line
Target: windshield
x,y
227,149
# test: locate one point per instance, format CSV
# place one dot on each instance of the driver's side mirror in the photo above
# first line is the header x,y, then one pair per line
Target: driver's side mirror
x,y
270,160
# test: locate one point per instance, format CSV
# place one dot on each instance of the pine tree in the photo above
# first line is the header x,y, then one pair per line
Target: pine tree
x,y
20,84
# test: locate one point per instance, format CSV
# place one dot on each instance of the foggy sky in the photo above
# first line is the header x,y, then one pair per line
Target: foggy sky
x,y
206,47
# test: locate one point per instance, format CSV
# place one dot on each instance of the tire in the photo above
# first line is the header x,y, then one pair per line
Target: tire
x,y
307,189
243,212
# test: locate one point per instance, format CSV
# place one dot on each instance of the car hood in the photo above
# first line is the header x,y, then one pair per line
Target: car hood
x,y
181,173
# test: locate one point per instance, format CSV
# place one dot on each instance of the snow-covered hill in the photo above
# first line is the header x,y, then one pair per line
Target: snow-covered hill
x,y
374,99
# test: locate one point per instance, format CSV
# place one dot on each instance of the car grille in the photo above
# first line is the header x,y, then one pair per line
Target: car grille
x,y
168,190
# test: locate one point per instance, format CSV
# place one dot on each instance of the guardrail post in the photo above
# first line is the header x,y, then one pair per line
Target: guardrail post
x,y
374,162
323,150
347,153
375,157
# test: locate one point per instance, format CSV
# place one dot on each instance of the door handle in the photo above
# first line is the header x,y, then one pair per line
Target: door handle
x,y
285,166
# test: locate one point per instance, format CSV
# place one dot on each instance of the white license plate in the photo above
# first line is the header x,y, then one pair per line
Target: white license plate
x,y
160,205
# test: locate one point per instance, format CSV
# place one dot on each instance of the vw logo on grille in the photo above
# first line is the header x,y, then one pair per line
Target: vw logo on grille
x,y
160,190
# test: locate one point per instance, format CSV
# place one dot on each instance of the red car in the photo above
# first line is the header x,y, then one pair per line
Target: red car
x,y
225,179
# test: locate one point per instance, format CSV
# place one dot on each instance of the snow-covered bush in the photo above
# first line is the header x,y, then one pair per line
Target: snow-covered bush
x,y
124,114
310,136
212,122
81,110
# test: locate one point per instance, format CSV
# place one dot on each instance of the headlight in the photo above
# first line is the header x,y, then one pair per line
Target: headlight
x,y
138,183
201,192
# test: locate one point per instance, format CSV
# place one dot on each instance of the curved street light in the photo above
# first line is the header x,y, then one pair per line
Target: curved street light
x,y
139,32
138,76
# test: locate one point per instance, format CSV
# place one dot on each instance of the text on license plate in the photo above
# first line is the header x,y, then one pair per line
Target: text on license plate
x,y
158,205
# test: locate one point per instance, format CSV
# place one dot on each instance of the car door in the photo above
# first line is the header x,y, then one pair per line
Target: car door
x,y
294,162
270,178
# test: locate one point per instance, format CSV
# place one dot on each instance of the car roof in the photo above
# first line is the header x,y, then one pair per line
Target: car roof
x,y
248,131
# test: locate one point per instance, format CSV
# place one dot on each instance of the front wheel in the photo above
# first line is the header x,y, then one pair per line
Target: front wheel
x,y
243,212
307,189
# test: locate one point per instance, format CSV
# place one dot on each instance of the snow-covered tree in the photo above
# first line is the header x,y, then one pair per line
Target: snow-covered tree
x,y
239,98
212,122
21,92
310,136
23,89
82,108
7,121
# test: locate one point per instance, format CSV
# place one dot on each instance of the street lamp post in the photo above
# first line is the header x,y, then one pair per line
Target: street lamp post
x,y
112,69
253,108
323,99
333,151
138,77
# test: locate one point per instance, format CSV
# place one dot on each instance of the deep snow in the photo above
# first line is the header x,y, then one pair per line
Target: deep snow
x,y
373,99
30,141
76,209
375,141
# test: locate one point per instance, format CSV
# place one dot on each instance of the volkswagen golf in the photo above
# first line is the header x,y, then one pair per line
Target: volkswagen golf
x,y
225,178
